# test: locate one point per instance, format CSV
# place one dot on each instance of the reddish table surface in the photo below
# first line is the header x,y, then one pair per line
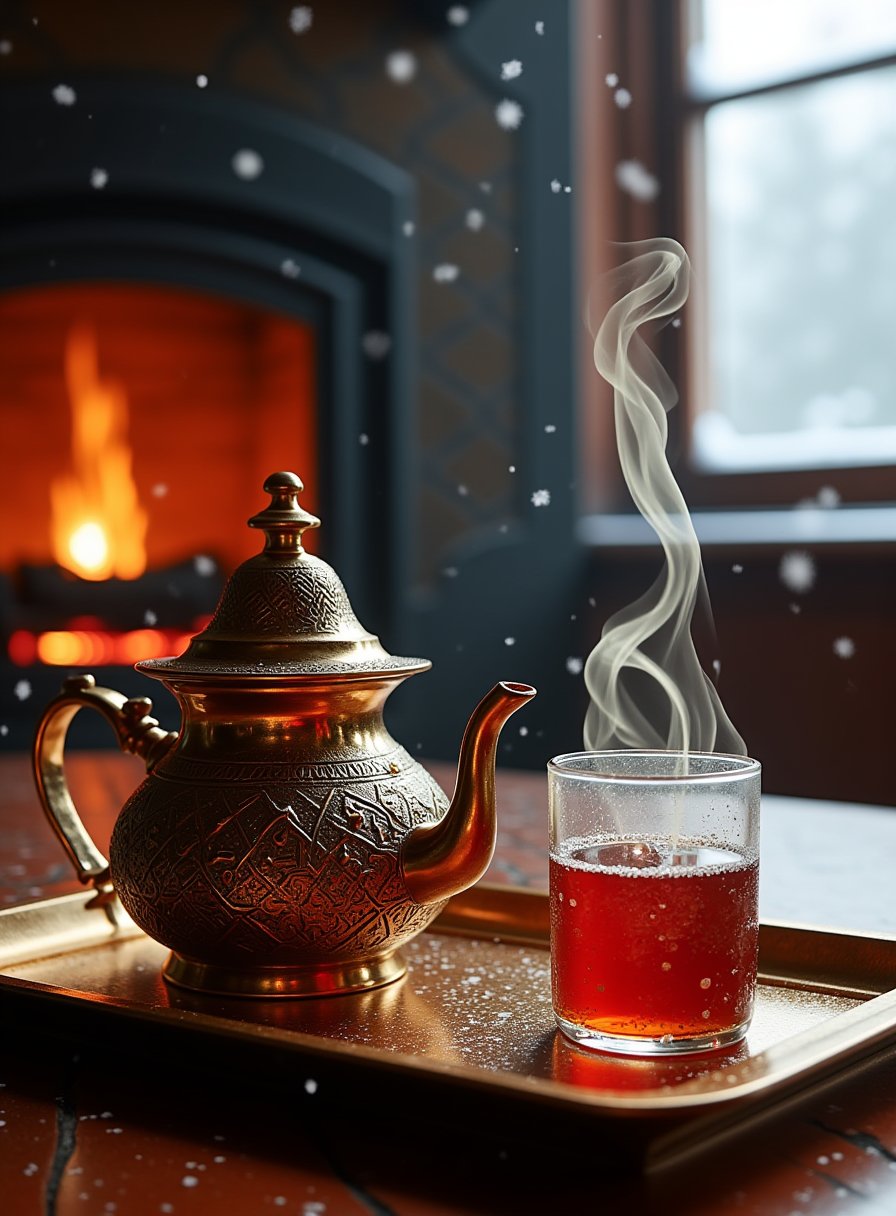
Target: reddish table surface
x,y
82,1133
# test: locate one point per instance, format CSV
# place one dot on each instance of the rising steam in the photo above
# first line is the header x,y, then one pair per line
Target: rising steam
x,y
646,683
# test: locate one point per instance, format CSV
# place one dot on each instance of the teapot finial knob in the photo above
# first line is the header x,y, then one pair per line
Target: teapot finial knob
x,y
284,520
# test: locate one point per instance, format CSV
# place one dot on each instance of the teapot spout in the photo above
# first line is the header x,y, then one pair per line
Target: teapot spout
x,y
441,859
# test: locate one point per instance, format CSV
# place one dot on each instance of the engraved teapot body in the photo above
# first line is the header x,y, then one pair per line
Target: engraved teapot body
x,y
282,843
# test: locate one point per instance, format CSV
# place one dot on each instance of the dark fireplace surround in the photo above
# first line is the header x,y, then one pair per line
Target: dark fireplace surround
x,y
179,215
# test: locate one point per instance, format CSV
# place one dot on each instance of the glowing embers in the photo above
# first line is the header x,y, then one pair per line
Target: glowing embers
x,y
85,647
98,525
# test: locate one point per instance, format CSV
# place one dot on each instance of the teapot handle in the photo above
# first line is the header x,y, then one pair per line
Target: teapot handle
x,y
137,733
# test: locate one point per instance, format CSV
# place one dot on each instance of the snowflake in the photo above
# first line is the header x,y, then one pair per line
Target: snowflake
x,y
401,66
637,181
408,227
623,98
159,490
611,79
511,69
539,28
202,80
445,272
458,15
23,690
150,618
556,187
204,565
310,1086
485,187
64,95
189,1180
550,429
797,571
4,730
510,641
541,498
509,114
363,439
737,568
376,344
463,490
828,498
475,219
5,47
676,322
300,19
844,648
247,164
524,730
574,666
290,269
98,178
451,572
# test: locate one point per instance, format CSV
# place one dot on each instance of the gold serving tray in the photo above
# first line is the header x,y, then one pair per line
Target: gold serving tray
x,y
472,1021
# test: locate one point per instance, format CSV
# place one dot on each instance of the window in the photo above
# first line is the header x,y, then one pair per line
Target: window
x,y
787,163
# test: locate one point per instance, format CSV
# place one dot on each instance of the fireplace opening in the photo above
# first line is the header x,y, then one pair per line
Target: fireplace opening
x,y
140,423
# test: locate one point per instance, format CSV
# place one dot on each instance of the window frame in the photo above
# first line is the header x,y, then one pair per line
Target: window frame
x,y
645,43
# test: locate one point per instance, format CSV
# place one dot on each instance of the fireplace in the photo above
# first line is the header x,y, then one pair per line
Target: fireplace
x,y
405,252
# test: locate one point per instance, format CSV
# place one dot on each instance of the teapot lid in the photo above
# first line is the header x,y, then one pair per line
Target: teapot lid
x,y
284,612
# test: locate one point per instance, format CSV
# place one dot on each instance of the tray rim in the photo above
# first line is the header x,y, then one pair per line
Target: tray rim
x,y
796,1062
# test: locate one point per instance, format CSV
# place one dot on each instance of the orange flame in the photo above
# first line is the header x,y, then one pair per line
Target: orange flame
x,y
99,527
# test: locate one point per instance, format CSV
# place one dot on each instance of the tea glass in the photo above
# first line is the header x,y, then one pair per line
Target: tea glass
x,y
654,860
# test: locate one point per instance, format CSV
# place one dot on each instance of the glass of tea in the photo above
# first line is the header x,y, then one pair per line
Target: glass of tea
x,y
654,899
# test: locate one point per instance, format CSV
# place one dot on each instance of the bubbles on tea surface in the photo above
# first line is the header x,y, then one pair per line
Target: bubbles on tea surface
x,y
705,983
639,854
665,966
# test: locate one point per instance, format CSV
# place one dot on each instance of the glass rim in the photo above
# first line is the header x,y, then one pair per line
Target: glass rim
x,y
742,767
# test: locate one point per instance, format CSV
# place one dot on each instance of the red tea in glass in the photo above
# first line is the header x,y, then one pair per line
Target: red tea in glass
x,y
653,943
654,899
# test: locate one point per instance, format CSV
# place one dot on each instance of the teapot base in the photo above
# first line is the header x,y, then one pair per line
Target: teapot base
x,y
310,980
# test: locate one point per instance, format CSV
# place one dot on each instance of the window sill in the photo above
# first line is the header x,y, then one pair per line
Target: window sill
x,y
814,526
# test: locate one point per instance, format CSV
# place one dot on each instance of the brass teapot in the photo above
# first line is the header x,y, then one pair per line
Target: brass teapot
x,y
282,843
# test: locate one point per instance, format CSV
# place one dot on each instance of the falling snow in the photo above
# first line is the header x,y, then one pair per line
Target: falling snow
x,y
64,95
301,18
310,1086
202,80
555,186
797,571
737,568
376,344
22,690
510,641
98,178
550,429
159,490
290,269
509,114
408,227
634,179
204,565
364,439
450,572
4,730
844,648
623,98
611,79
445,272
676,322
401,66
189,1180
539,28
828,498
463,490
5,47
541,498
475,219
574,665
458,15
150,618
511,69
247,164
